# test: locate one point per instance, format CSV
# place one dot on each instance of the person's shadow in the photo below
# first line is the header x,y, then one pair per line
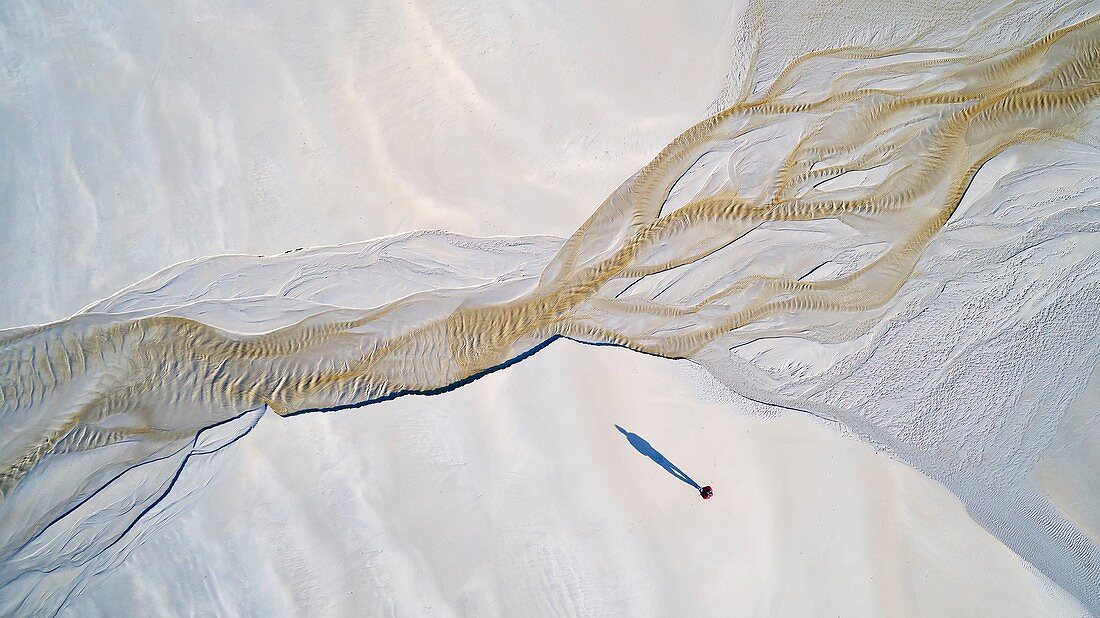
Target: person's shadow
x,y
639,443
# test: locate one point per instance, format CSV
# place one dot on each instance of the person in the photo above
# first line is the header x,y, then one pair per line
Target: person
x,y
706,492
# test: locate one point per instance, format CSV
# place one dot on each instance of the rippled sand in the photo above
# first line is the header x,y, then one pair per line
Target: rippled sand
x,y
897,235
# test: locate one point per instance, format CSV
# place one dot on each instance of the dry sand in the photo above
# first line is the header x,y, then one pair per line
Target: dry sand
x,y
516,496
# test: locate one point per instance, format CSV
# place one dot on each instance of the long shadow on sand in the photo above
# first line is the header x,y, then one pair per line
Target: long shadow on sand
x,y
642,446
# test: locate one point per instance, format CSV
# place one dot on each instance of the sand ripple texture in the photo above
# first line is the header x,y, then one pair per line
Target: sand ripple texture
x,y
899,235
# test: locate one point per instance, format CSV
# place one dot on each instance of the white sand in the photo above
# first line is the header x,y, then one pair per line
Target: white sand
x,y
147,136
516,496
142,135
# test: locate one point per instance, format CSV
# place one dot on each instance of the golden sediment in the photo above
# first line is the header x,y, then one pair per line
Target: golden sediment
x,y
79,385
